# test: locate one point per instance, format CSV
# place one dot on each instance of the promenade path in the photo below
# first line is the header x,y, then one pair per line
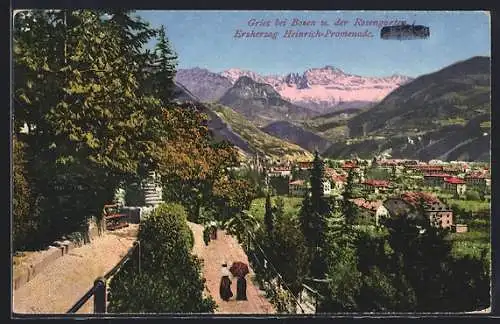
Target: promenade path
x,y
63,282
226,248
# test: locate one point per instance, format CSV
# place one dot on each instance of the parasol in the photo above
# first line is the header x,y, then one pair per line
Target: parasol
x,y
239,269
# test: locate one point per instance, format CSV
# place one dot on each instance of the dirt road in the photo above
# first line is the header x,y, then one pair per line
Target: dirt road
x,y
56,289
226,248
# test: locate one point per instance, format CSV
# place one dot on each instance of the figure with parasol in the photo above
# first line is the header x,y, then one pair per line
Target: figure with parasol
x,y
240,270
225,283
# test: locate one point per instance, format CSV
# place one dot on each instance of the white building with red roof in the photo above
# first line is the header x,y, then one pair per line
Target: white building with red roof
x,y
455,185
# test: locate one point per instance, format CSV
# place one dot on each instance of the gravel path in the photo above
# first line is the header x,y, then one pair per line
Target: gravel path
x,y
68,278
226,248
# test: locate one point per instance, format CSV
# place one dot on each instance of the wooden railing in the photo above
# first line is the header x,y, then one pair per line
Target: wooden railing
x,y
99,289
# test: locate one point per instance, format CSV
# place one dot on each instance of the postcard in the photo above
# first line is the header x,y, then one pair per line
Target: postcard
x,y
250,162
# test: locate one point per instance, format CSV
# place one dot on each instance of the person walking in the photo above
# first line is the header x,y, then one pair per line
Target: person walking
x,y
225,283
241,288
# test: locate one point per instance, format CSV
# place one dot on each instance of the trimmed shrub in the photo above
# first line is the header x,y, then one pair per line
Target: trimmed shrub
x,y
170,280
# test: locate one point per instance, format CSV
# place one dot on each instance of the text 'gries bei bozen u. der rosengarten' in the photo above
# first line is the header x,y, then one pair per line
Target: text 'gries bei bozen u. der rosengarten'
x,y
303,28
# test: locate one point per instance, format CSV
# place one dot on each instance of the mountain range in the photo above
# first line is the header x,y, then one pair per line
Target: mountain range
x,y
318,89
444,114
260,103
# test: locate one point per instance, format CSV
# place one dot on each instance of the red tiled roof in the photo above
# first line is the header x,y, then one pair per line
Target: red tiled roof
x,y
370,205
376,183
430,167
437,175
350,165
454,180
475,175
339,178
413,198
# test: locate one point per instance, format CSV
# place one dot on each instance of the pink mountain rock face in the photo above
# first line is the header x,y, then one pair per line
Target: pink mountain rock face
x,y
326,87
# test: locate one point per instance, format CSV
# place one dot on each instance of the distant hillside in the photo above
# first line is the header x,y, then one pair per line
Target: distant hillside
x,y
257,140
206,85
439,115
454,94
297,135
260,103
220,129
333,125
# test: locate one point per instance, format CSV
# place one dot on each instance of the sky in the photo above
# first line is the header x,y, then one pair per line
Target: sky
x,y
206,39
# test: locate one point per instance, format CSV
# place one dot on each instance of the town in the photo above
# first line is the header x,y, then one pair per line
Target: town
x,y
387,187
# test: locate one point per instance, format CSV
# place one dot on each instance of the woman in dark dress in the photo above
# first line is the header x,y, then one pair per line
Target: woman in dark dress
x,y
225,284
241,289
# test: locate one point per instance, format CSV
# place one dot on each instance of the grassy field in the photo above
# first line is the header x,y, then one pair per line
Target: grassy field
x,y
470,243
292,206
470,205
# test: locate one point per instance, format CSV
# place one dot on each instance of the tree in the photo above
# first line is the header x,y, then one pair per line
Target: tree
x,y
169,280
24,218
268,216
164,68
348,208
87,118
290,254
421,252
472,195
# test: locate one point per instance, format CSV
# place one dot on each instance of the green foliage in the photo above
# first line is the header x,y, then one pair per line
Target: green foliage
x,y
378,174
268,216
313,215
279,184
134,195
165,64
24,222
291,205
472,195
85,105
290,254
169,281
348,208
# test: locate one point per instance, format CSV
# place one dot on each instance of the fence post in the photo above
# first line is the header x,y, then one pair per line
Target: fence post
x,y
100,295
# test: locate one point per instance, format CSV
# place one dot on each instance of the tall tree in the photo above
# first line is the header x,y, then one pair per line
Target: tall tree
x,y
313,215
88,125
348,208
268,216
164,68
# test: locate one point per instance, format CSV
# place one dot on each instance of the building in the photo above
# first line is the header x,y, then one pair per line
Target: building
x,y
435,179
327,187
297,188
375,186
348,165
429,169
407,205
280,172
476,180
305,165
455,185
370,212
338,182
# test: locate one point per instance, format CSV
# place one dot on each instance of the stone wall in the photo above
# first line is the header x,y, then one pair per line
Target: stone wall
x,y
56,250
